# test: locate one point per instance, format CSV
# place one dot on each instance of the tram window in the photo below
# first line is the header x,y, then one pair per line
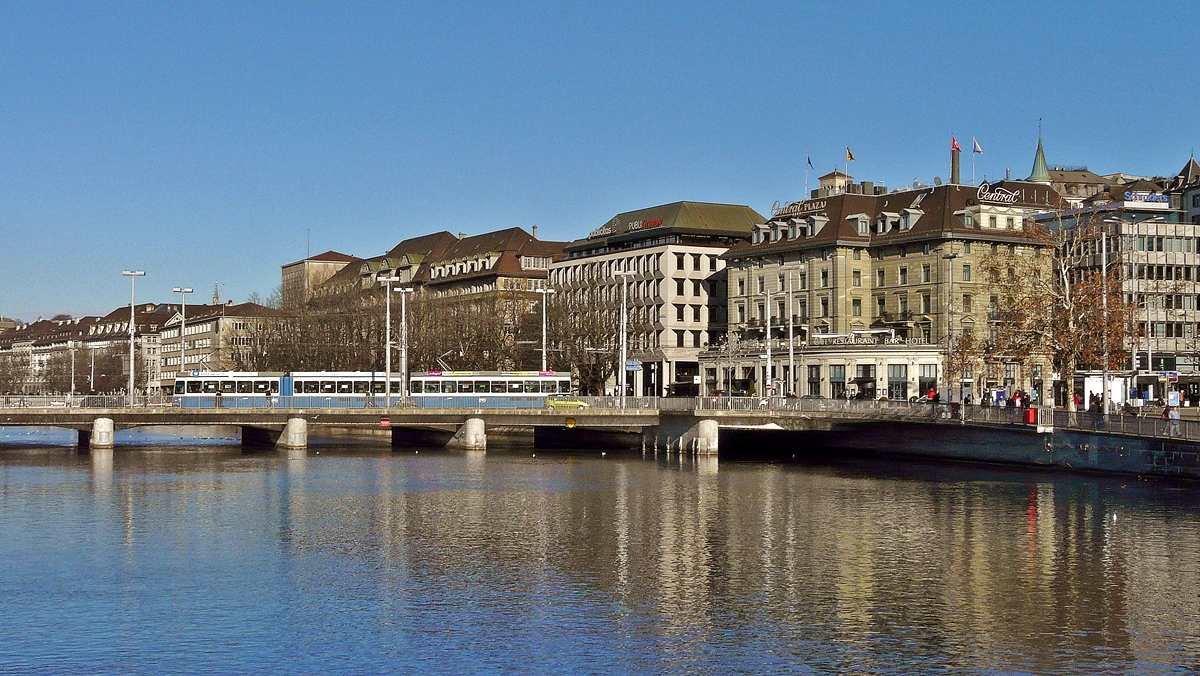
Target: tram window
x,y
466,387
178,387
481,386
345,386
531,385
275,386
328,387
262,386
211,386
378,388
193,387
564,386
431,386
549,386
245,386
449,387
498,387
312,387
360,387
228,387
514,386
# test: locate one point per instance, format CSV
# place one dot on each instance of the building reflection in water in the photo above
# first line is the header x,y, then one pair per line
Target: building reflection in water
x,y
864,566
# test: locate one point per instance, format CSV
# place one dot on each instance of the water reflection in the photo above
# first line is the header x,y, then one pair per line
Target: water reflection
x,y
558,562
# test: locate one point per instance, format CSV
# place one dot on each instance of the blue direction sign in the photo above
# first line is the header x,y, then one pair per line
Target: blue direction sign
x,y
633,366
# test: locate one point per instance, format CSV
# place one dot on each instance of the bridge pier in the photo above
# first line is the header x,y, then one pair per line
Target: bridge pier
x,y
702,438
100,437
294,435
472,436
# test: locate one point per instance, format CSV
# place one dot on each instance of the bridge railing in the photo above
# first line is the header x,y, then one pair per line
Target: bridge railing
x,y
1133,425
83,401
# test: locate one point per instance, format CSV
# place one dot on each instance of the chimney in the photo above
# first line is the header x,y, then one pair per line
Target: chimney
x,y
1008,174
954,153
535,231
868,187
462,235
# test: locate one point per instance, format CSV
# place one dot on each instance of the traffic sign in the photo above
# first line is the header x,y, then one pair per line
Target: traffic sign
x,y
633,366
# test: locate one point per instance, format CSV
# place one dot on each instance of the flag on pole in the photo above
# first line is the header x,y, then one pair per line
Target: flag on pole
x,y
810,166
849,155
954,144
977,148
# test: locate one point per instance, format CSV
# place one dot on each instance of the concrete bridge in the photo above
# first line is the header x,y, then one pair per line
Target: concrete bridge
x,y
686,425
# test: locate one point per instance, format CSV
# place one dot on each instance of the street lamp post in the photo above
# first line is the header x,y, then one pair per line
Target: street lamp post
x,y
622,375
183,291
545,296
404,291
387,357
132,275
949,258
71,344
769,386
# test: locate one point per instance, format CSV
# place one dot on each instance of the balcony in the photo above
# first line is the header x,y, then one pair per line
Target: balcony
x,y
905,317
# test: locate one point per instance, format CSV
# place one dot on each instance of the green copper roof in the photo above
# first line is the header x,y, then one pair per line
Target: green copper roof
x,y
1041,173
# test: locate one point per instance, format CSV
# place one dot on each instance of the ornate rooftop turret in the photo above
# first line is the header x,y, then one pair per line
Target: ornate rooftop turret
x,y
1041,173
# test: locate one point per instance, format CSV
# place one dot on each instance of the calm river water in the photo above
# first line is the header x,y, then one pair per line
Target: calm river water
x,y
187,560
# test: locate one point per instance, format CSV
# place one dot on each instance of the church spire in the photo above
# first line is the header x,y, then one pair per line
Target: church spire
x,y
1041,173
216,293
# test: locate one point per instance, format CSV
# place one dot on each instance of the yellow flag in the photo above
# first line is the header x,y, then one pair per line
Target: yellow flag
x,y
849,155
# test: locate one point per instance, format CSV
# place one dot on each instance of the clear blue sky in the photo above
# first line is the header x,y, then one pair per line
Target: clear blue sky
x,y
201,141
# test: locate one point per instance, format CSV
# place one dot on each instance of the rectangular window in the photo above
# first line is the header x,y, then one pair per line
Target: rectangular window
x,y
679,287
824,279
991,221
925,273
966,247
966,273
880,306
903,300
1009,222
761,313
856,277
966,303
856,307
782,314
741,286
803,280
762,286
858,254
866,372
696,262
824,307
696,287
879,278
679,261
741,314
695,313
926,303
803,310
679,338
712,262
678,313
904,276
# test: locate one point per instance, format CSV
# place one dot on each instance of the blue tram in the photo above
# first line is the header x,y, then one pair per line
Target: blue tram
x,y
361,389
487,389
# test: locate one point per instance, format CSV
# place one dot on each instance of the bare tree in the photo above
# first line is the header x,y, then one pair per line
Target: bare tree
x,y
1048,303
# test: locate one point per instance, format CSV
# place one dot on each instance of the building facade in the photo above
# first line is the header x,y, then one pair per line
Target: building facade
x,y
667,262
298,280
861,292
208,337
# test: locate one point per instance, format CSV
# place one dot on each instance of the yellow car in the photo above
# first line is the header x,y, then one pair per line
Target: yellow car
x,y
566,401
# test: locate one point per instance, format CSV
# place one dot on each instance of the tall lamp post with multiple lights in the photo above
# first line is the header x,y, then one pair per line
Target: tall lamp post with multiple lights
x,y
769,388
622,373
545,297
183,291
404,291
949,258
387,357
132,275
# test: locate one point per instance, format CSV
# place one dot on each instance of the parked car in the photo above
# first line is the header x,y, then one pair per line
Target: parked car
x,y
565,401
